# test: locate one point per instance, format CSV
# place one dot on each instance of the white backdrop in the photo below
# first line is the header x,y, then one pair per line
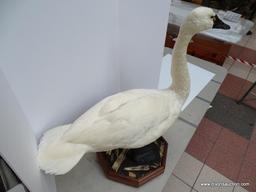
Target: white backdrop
x,y
59,56
143,25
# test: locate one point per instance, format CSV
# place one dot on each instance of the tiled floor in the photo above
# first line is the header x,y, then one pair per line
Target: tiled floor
x,y
220,152
209,175
188,169
238,118
177,185
240,70
235,87
224,155
226,137
223,148
203,140
227,154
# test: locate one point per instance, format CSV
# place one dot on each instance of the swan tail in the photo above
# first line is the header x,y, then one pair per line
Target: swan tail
x,y
56,156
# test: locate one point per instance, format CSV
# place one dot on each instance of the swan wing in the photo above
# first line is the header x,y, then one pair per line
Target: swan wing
x,y
110,125
105,106
120,99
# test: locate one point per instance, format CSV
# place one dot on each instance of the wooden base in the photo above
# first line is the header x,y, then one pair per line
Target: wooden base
x,y
135,182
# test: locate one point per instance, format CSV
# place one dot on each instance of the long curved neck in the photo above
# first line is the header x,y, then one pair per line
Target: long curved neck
x,y
179,67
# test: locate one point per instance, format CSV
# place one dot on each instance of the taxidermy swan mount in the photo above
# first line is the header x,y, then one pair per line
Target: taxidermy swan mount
x,y
130,119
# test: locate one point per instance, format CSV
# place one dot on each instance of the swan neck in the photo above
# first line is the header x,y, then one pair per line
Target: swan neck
x,y
179,67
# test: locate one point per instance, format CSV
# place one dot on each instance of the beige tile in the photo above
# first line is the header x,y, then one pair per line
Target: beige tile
x,y
251,44
175,184
254,27
188,168
228,63
240,70
244,40
209,92
253,36
252,75
178,137
253,30
239,189
208,175
195,111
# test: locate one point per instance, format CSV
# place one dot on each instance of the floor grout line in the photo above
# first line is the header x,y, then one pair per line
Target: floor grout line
x,y
188,122
204,163
215,81
249,73
237,73
241,165
231,65
194,190
247,42
245,45
182,180
203,99
198,176
241,88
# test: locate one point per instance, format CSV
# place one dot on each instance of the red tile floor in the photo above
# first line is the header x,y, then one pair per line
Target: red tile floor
x,y
234,87
218,152
228,153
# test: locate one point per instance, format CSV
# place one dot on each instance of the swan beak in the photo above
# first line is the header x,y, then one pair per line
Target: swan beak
x,y
219,24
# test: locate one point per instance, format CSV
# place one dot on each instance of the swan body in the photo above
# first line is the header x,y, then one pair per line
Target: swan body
x,y
129,119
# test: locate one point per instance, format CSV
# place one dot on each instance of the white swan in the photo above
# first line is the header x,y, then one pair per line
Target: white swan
x,y
129,119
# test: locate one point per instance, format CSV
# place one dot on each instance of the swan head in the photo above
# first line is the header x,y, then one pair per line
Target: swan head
x,y
203,18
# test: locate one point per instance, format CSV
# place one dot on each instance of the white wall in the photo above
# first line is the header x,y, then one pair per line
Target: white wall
x,y
59,59
59,56
143,25
18,143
